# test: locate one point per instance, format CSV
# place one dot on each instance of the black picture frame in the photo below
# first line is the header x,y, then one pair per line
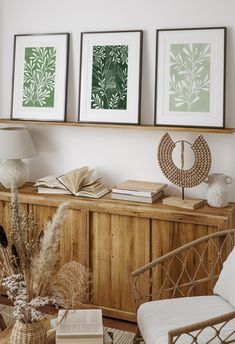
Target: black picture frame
x,y
176,47
110,77
40,77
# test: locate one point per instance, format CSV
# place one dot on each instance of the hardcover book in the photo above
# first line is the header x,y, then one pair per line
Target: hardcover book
x,y
139,185
80,326
134,198
48,190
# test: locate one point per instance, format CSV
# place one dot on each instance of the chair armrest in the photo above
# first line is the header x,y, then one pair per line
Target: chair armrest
x,y
158,279
194,331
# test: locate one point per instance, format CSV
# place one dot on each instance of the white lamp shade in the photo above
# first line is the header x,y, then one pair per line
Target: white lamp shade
x,y
16,143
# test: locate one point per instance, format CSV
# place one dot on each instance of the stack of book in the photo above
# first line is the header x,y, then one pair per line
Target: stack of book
x,y
80,326
79,182
138,191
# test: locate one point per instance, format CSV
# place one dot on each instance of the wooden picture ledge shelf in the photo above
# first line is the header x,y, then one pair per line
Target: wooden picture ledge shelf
x,y
121,126
114,238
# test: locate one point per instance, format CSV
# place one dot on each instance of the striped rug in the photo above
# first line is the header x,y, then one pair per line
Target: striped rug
x,y
121,337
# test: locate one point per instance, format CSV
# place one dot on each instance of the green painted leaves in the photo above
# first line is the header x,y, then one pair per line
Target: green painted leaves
x,y
39,77
190,77
109,77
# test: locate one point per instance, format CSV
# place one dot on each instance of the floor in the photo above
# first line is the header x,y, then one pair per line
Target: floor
x,y
120,324
108,322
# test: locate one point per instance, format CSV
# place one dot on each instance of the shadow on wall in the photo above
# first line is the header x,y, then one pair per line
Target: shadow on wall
x,y
46,147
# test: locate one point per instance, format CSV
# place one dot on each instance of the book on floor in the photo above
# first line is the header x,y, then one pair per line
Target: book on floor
x,y
80,326
134,198
83,182
139,188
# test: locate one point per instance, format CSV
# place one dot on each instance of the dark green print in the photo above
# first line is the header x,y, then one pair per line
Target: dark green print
x,y
109,77
39,77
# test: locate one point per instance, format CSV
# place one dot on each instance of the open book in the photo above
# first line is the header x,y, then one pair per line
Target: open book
x,y
51,185
83,182
50,182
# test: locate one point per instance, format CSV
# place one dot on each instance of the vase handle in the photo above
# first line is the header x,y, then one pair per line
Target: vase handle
x,y
229,180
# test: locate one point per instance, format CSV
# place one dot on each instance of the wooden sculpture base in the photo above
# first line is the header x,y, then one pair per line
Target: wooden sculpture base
x,y
187,203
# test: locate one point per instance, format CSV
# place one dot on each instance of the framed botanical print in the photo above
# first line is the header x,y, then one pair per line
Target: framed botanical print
x,y
40,69
190,77
110,77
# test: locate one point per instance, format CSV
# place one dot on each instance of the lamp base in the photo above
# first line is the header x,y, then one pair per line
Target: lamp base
x,y
13,169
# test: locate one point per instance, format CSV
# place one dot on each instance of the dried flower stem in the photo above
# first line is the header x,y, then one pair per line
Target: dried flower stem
x,y
71,286
44,262
28,265
18,235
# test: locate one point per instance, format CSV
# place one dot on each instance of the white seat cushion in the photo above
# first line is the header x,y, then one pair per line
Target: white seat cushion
x,y
156,318
225,284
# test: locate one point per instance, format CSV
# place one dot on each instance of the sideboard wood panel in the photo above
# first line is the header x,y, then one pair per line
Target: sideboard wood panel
x,y
114,238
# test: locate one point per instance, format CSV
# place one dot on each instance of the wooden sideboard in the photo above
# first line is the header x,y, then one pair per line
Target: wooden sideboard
x,y
115,238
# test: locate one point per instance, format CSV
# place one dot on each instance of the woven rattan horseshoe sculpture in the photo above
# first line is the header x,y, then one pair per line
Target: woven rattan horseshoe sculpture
x,y
181,177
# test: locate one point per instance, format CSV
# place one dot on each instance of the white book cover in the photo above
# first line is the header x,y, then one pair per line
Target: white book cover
x,y
44,189
80,323
135,192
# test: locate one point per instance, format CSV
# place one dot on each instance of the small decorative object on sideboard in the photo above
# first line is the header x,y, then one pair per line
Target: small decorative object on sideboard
x,y
185,178
217,191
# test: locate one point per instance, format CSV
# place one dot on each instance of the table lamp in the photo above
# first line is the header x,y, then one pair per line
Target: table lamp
x,y
15,144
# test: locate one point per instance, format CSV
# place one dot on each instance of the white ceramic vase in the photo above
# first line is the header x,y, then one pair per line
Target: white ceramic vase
x,y
217,191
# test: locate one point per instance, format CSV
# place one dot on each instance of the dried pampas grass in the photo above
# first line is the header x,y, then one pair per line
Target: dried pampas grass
x,y
28,262
71,288
43,264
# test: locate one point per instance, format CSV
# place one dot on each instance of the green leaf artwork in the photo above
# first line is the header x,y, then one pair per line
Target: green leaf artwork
x,y
190,77
39,77
109,77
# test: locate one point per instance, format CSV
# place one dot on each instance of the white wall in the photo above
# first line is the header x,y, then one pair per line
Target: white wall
x,y
117,154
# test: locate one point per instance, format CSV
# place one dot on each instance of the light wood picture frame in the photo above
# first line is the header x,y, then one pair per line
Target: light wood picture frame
x,y
40,74
110,77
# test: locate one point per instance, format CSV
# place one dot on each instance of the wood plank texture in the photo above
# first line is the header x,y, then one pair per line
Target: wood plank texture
x,y
205,215
114,238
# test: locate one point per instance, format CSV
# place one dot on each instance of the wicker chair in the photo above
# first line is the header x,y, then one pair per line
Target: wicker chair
x,y
184,273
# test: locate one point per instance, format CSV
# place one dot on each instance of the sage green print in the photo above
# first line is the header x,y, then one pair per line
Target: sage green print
x,y
39,77
109,77
190,77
